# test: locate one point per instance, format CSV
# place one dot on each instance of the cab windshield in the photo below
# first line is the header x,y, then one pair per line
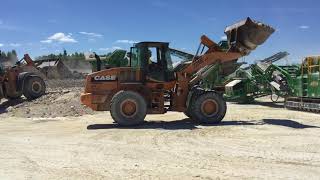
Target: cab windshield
x,y
135,58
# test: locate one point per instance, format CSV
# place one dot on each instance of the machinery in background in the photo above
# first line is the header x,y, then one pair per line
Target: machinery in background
x,y
298,84
254,81
22,79
117,58
302,85
54,68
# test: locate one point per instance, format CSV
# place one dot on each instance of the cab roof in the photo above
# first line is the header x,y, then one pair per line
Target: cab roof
x,y
151,44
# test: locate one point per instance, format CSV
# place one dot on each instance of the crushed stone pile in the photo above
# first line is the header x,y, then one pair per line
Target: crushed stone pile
x,y
56,85
61,100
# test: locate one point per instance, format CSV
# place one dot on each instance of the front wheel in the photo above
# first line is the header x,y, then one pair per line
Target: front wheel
x,y
34,87
15,97
209,107
128,108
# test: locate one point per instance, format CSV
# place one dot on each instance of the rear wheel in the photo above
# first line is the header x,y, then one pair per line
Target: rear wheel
x,y
34,87
128,108
210,107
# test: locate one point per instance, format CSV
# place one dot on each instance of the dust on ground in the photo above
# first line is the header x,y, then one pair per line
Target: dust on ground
x,y
261,141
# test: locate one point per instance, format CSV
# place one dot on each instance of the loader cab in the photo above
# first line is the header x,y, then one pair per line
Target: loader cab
x,y
154,60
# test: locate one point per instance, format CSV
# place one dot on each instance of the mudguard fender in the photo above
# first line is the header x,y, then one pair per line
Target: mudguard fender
x,y
21,79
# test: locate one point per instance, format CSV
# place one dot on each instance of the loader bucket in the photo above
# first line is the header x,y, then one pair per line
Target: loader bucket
x,y
247,35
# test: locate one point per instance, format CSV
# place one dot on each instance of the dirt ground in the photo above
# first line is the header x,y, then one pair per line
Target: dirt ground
x,y
60,139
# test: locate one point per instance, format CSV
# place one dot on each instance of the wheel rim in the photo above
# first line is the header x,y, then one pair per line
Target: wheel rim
x,y
128,108
36,87
209,107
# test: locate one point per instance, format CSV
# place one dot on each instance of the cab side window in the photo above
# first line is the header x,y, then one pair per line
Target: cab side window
x,y
135,58
152,56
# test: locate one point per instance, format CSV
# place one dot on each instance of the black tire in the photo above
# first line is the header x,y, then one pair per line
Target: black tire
x,y
209,108
34,87
188,112
128,108
16,97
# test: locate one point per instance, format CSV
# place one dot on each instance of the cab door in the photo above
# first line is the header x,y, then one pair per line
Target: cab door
x,y
159,66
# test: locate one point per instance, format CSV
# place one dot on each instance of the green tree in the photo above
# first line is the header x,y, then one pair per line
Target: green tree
x,y
9,54
3,54
14,53
65,54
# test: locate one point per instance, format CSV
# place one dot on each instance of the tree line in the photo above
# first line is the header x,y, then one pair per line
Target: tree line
x,y
63,56
8,56
116,58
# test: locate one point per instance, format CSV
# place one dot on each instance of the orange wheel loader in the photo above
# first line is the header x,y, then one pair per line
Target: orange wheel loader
x,y
151,85
22,79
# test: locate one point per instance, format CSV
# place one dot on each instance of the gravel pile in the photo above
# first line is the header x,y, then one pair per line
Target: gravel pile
x,y
65,84
62,100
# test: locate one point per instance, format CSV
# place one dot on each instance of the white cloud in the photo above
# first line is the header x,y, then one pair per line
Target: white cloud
x,y
304,27
224,37
46,41
125,41
91,34
104,49
60,37
1,45
14,44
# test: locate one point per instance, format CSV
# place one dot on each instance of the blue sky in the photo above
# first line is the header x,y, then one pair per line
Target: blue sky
x,y
41,27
